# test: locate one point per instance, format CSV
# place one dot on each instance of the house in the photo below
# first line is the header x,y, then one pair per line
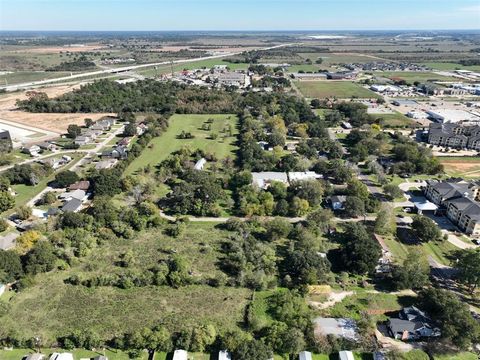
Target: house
x,y
52,212
35,356
341,327
47,146
305,355
265,178
103,125
180,355
73,205
2,288
465,213
141,128
346,125
8,241
106,164
33,150
338,202
199,165
224,355
345,355
100,357
76,194
290,146
412,324
80,185
53,162
119,152
125,141
92,134
303,175
82,140
61,356
5,141
454,135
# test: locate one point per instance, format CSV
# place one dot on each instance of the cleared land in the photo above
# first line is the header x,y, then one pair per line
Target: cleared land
x,y
412,76
51,308
339,89
395,120
19,77
162,146
461,166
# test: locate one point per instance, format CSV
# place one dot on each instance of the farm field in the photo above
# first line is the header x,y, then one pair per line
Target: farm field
x,y
412,76
162,146
339,89
461,166
50,307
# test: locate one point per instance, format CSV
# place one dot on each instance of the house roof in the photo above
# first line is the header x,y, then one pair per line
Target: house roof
x,y
224,355
261,178
80,185
345,355
305,355
338,198
72,205
35,357
399,325
425,205
450,189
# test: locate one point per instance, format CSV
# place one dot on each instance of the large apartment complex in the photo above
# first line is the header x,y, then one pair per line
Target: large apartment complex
x,y
460,200
454,136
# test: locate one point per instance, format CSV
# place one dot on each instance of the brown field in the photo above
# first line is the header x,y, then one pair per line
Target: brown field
x,y
59,49
466,166
200,47
54,122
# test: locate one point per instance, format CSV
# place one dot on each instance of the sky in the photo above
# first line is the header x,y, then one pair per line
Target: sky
x,y
151,15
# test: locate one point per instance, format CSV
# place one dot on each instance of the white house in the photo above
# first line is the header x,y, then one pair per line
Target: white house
x,y
2,288
345,355
82,140
200,164
180,355
305,355
224,355
265,178
61,356
303,175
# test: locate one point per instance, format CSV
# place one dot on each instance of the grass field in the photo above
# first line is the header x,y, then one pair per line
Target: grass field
x,y
461,166
412,76
27,76
395,120
451,66
192,65
167,143
51,308
460,356
339,89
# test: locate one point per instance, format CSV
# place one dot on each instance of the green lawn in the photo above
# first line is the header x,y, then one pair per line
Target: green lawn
x,y
28,76
460,356
339,89
412,76
439,250
395,120
451,66
162,146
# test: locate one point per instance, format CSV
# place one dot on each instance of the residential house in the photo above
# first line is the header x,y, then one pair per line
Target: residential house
x,y
141,128
412,324
265,178
125,141
82,140
73,205
106,164
290,146
33,150
305,355
180,355
47,146
80,185
76,194
200,164
53,162
100,357
6,144
224,355
92,134
338,202
61,356
35,356
119,152
303,175
345,355
103,125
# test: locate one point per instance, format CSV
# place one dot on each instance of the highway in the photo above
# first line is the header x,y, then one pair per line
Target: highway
x,y
28,85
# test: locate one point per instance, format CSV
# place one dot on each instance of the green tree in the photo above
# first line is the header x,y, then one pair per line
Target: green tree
x,y
73,131
320,220
202,337
414,273
385,223
393,191
7,201
41,258
66,178
130,129
252,350
310,190
468,265
354,206
277,228
360,251
49,198
425,229
10,266
299,207
23,212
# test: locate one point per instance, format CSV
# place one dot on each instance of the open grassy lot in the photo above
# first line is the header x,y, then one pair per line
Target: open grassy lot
x,y
395,120
210,63
451,66
161,147
460,356
339,89
27,76
51,308
412,76
461,166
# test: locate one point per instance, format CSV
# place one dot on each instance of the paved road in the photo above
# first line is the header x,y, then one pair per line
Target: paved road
x,y
28,85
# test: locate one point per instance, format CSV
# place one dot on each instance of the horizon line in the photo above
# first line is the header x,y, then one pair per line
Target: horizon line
x,y
240,30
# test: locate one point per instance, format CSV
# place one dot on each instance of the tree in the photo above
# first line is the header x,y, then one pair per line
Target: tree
x,y
360,251
202,336
468,265
320,220
277,228
413,273
88,122
252,350
310,190
10,266
130,129
354,206
425,229
49,198
284,340
7,201
73,131
358,189
27,240
41,258
66,178
453,315
23,212
393,191
299,207
385,223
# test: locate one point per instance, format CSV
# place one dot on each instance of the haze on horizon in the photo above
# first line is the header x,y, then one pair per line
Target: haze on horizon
x,y
151,15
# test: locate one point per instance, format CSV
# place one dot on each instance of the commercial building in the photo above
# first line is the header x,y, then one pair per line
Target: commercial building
x,y
453,116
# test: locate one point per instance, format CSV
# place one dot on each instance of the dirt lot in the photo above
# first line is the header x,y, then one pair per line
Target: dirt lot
x,y
467,166
53,122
